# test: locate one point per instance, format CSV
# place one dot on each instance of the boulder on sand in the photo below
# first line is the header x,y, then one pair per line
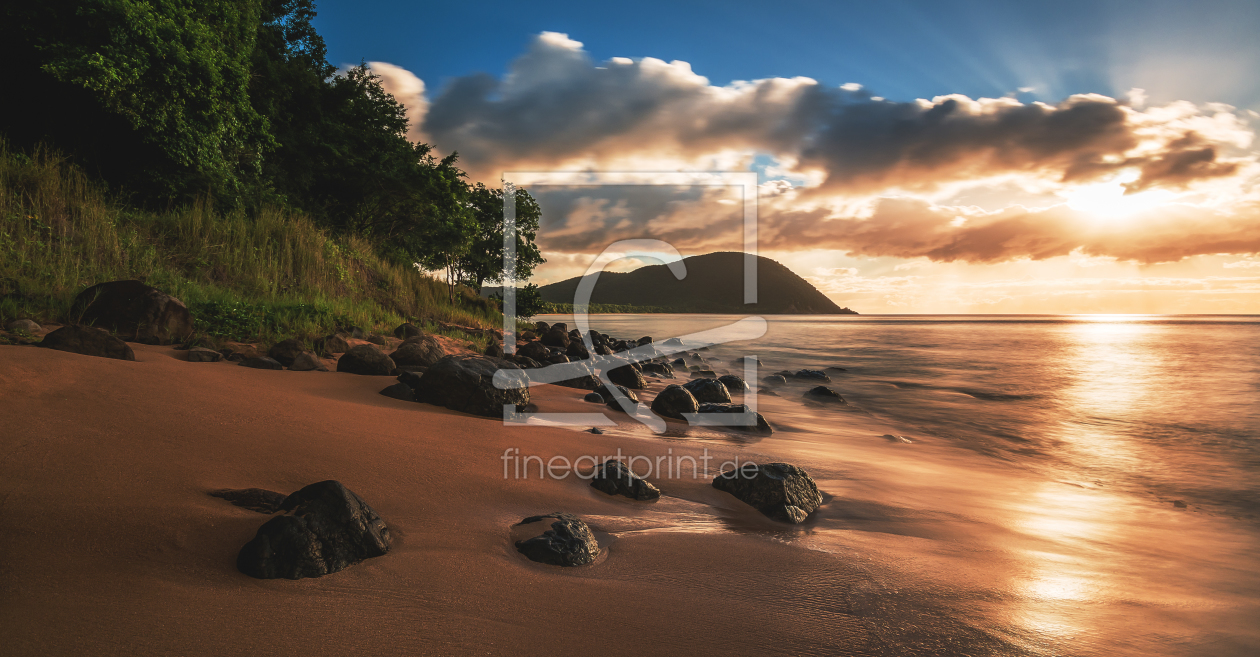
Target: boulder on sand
x,y
135,311
627,376
367,360
466,384
332,344
418,351
569,542
616,478
88,341
824,394
254,499
400,391
307,361
611,399
594,398
733,383
673,401
534,350
708,391
759,426
327,528
203,355
262,363
780,490
286,350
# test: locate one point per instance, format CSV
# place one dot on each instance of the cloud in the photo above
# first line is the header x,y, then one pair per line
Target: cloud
x,y
1242,264
407,89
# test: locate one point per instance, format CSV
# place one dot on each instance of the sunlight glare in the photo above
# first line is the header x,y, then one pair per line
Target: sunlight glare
x,y
1108,200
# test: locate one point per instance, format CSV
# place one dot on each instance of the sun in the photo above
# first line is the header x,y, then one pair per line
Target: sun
x,y
1109,200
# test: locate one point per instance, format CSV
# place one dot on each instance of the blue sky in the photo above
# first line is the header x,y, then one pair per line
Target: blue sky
x,y
1199,51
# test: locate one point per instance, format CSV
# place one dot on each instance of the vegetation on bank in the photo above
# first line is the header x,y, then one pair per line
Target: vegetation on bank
x,y
259,277
208,148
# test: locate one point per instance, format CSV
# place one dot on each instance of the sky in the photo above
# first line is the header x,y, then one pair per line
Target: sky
x,y
913,157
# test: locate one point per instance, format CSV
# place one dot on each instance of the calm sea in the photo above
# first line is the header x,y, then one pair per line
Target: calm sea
x,y
1024,484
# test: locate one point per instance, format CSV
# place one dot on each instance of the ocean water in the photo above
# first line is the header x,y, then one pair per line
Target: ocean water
x,y
1021,484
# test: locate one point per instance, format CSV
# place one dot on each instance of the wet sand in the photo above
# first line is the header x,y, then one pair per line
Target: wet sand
x,y
109,543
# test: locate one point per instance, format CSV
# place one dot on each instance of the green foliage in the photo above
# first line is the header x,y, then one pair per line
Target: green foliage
x,y
259,277
483,261
529,301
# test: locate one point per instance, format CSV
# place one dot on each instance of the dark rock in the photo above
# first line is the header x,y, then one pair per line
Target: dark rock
x,y
836,369
203,355
22,326
742,360
585,382
673,342
421,350
679,362
235,356
541,327
286,350
569,542
354,332
603,349
527,363
307,361
254,499
494,350
733,383
594,398
825,394
775,379
708,391
779,490
595,430
406,330
367,360
577,351
555,338
627,376
377,340
526,336
136,311
400,391
535,350
327,528
612,401
662,369
761,425
331,344
645,340
466,384
616,478
557,359
560,326
673,401
705,374
88,341
813,375
262,363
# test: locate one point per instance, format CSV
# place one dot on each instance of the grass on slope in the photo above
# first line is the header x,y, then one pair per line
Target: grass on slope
x,y
247,278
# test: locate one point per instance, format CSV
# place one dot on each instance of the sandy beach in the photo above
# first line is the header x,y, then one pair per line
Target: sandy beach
x,y
111,544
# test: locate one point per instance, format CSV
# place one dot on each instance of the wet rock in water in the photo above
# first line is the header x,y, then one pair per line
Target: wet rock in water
x,y
836,369
466,384
775,379
673,401
326,528
332,344
406,330
824,394
661,369
286,350
22,326
741,361
594,398
569,542
367,360
254,499
779,490
758,426
137,312
595,430
616,478
627,376
262,363
400,391
678,362
704,374
203,355
307,361
708,391
534,350
813,375
88,341
645,340
418,351
733,383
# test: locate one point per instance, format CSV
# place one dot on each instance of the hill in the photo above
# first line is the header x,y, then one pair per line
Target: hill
x,y
714,284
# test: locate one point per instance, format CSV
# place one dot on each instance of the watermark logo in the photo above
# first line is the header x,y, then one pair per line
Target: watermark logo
x,y
747,328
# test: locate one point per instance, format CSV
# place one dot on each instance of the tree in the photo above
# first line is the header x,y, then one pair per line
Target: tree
x,y
483,263
529,301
